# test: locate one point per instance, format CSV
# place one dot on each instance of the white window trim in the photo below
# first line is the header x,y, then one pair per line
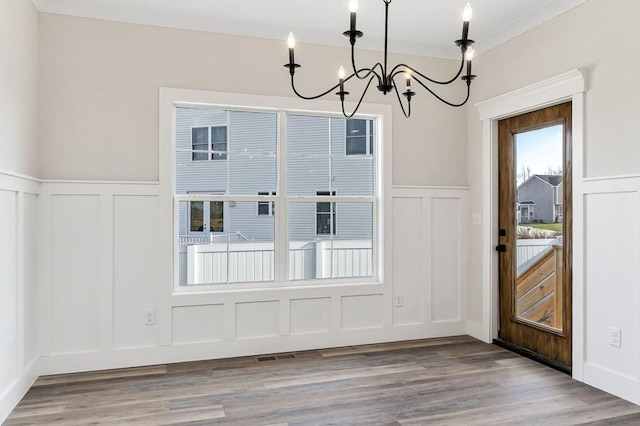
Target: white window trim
x,y
171,98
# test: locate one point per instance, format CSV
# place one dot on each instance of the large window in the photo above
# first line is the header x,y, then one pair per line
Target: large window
x,y
319,174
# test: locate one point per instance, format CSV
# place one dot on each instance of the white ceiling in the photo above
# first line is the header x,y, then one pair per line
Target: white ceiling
x,y
421,27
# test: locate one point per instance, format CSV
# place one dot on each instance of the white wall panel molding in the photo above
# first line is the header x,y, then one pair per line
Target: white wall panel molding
x,y
18,263
126,282
430,255
611,184
19,183
612,283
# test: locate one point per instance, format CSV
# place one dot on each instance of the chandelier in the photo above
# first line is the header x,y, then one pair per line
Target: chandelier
x,y
385,77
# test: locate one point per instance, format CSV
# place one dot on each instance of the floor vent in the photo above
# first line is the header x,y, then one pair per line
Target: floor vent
x,y
275,357
267,358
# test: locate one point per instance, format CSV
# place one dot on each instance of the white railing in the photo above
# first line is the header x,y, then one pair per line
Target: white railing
x,y
185,240
528,249
254,261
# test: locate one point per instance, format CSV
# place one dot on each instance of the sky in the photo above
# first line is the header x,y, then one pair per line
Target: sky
x,y
539,149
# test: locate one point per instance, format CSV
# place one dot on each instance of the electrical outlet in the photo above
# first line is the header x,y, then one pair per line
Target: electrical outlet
x,y
150,317
397,300
615,337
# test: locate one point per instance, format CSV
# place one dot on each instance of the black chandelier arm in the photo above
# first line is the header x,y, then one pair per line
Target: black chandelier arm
x,y
359,102
370,71
396,70
309,98
407,113
444,100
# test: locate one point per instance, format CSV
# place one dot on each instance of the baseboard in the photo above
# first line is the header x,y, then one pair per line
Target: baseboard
x,y
613,382
136,357
17,390
478,330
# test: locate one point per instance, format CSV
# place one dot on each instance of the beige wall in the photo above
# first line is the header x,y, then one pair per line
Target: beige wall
x,y
18,86
593,37
599,37
99,97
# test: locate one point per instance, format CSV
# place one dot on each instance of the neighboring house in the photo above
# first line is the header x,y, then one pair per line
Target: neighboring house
x,y
540,199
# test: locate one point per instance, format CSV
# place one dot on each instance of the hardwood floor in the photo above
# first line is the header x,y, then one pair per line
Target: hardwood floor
x,y
449,381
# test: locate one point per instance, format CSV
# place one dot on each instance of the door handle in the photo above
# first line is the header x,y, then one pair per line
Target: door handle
x,y
501,248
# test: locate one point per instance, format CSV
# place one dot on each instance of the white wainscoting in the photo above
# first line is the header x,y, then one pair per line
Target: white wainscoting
x,y
18,277
103,266
430,257
611,270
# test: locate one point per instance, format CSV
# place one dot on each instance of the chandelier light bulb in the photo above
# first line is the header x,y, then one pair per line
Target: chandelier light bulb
x,y
407,76
467,13
341,72
291,41
469,54
353,6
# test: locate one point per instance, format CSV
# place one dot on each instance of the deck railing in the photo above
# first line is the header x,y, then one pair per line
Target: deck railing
x,y
539,295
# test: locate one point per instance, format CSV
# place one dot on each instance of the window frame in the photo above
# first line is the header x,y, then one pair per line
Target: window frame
x,y
210,152
333,214
171,98
369,139
270,204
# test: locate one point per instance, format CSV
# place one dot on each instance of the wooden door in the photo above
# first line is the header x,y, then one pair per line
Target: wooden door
x,y
535,223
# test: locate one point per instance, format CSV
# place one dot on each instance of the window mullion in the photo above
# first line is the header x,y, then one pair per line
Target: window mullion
x,y
281,234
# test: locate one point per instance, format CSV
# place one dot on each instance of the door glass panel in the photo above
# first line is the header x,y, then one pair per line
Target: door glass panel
x,y
538,294
216,216
196,217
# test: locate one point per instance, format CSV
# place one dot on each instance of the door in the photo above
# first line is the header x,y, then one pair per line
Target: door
x,y
534,163
206,217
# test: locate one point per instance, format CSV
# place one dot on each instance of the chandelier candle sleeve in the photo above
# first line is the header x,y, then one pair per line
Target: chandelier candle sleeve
x,y
466,17
353,8
341,73
407,77
469,57
291,41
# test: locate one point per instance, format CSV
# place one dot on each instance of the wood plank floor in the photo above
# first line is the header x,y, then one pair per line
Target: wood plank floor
x,y
449,381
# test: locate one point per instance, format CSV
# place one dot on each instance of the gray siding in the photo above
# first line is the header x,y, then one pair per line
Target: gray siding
x,y
251,165
315,158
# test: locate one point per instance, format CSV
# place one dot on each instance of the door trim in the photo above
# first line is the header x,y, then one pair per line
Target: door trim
x,y
569,86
